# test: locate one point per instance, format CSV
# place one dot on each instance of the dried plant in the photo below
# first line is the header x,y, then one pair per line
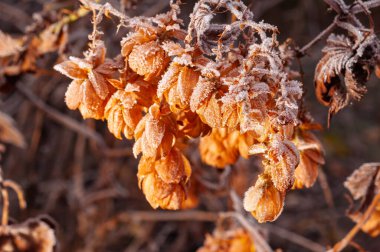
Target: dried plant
x,y
225,85
351,58
176,85
364,185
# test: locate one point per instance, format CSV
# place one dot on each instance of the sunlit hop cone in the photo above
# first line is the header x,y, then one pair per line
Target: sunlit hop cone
x,y
220,148
264,200
148,60
164,181
125,108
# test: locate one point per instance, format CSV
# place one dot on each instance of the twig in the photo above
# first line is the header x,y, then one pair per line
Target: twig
x,y
296,238
368,4
346,240
192,215
5,202
17,189
108,8
321,35
72,124
260,243
337,5
61,118
340,9
326,189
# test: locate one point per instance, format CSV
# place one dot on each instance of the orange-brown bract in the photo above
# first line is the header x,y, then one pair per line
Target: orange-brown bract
x,y
170,85
264,200
90,90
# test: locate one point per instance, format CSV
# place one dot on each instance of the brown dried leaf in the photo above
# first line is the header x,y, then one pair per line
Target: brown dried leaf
x,y
73,95
202,91
123,114
9,46
342,59
100,84
71,70
174,168
311,158
378,70
362,179
157,192
9,133
91,105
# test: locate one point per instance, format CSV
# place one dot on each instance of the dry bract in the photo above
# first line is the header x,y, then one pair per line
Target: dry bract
x,y
311,158
164,182
220,148
264,200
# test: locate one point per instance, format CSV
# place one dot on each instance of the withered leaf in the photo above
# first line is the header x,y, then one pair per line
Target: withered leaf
x,y
362,179
342,60
9,133
33,235
9,46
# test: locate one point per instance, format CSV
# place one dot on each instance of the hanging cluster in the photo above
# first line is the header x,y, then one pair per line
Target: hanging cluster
x,y
228,84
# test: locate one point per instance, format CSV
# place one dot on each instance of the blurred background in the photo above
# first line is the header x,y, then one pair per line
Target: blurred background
x,y
93,195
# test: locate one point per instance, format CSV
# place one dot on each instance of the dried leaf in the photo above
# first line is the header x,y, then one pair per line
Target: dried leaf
x,y
34,235
342,60
9,46
9,133
361,180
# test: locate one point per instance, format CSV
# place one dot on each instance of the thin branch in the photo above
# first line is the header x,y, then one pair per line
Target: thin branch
x,y
260,242
108,8
192,215
320,36
60,117
296,238
5,209
339,9
368,4
337,5
72,124
18,190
